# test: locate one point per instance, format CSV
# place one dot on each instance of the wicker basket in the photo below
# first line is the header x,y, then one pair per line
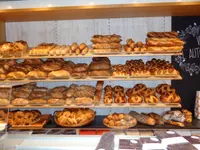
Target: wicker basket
x,y
75,125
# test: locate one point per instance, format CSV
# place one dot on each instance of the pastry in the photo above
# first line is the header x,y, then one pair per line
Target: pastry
x,y
63,74
79,75
99,66
106,45
81,67
58,92
20,102
123,121
151,99
54,101
37,74
16,75
172,34
170,97
37,101
148,92
163,88
135,99
2,76
100,73
83,101
33,62
50,66
5,93
4,102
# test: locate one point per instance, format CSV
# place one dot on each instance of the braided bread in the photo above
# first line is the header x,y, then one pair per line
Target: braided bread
x,y
163,88
147,92
152,99
170,97
135,99
162,34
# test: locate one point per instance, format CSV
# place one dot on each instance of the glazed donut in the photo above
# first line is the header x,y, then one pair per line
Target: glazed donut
x,y
135,99
118,89
151,99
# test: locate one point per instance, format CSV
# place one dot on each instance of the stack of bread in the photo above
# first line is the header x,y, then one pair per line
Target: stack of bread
x,y
69,50
119,121
57,95
131,46
106,43
80,71
4,96
26,117
80,95
163,42
98,92
100,67
167,94
74,117
15,49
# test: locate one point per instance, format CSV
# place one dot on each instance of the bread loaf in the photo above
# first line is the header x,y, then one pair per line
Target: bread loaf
x,y
16,75
100,73
37,74
62,74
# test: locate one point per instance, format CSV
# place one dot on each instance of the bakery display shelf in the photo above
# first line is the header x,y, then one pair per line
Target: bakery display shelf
x,y
102,11
89,55
93,79
11,84
97,124
114,105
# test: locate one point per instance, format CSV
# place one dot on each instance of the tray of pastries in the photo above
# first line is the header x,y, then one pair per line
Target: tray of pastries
x,y
74,117
119,121
19,118
106,44
132,47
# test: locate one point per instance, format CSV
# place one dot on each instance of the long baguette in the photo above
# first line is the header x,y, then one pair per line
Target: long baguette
x,y
143,118
180,124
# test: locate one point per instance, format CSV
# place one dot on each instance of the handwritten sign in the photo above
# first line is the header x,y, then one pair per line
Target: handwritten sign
x,y
189,63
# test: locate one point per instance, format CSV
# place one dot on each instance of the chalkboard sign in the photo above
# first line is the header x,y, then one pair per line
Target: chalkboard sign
x,y
188,64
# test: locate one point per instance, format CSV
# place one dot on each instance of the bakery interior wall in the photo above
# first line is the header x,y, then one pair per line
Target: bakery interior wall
x,y
69,31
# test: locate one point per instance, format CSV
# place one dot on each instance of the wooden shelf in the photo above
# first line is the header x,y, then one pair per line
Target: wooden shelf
x,y
90,55
102,11
94,79
127,105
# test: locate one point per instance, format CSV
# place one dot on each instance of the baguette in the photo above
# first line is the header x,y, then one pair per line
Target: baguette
x,y
143,118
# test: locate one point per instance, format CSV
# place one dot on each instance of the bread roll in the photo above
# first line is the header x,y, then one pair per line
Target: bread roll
x,y
51,66
100,73
81,67
99,66
82,46
62,74
37,74
16,75
74,46
33,61
79,75
2,76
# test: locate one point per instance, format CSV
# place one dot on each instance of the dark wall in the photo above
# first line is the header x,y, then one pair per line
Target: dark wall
x,y
189,63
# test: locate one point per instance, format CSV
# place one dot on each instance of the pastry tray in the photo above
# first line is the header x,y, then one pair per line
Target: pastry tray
x,y
38,125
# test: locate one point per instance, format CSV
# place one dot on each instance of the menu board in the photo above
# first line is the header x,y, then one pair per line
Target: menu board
x,y
189,63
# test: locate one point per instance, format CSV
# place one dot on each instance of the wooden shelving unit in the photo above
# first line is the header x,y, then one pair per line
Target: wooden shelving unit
x,y
126,105
102,11
90,55
94,79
